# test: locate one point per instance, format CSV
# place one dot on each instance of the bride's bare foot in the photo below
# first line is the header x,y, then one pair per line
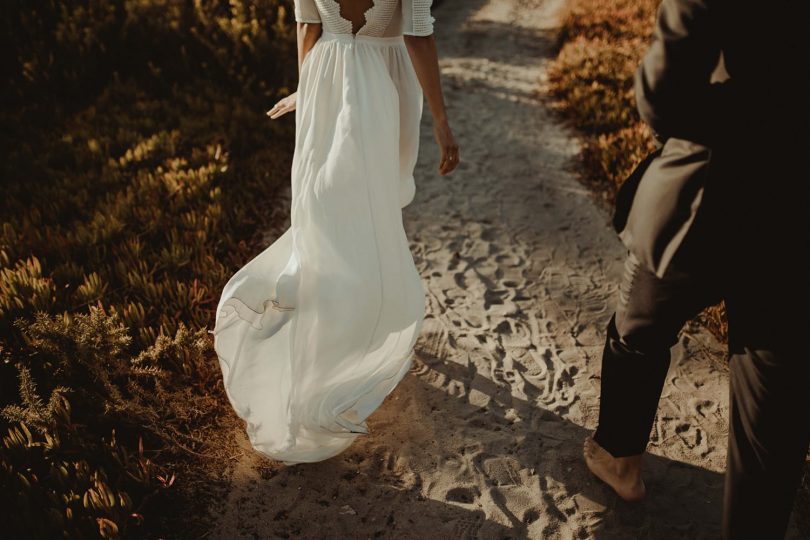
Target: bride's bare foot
x,y
623,474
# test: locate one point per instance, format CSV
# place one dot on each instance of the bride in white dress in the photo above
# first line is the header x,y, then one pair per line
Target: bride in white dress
x,y
315,331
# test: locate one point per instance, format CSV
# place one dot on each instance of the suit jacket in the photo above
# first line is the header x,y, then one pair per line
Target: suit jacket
x,y
723,87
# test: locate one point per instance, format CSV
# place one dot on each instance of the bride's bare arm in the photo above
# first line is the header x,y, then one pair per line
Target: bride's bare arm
x,y
425,59
308,34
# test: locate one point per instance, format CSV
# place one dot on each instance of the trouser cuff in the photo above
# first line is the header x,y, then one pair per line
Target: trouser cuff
x,y
631,387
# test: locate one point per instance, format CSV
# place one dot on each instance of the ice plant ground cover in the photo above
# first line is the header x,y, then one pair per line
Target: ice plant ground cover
x,y
131,190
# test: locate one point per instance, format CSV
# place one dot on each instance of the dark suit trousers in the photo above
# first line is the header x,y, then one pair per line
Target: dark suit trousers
x,y
769,406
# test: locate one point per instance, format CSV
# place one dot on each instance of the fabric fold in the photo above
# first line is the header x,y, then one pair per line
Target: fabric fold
x,y
316,330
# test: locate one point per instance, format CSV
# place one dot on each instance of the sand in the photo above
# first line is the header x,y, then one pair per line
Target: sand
x,y
482,439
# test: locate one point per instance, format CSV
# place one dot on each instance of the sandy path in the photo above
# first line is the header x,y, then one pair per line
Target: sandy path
x,y
483,438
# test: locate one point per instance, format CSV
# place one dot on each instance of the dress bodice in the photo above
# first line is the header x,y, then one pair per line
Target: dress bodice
x,y
386,18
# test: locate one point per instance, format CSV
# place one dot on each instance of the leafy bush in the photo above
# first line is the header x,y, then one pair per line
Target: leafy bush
x,y
134,144
613,155
612,21
60,477
64,52
595,80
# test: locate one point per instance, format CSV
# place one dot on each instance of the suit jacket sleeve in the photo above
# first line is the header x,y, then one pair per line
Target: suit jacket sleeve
x,y
674,94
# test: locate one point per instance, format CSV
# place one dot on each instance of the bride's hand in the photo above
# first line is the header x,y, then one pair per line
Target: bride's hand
x,y
447,146
283,106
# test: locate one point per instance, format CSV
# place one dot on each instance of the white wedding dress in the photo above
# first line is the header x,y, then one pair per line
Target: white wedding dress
x,y
316,330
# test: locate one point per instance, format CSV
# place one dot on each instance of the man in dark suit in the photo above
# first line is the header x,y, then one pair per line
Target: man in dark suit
x,y
720,212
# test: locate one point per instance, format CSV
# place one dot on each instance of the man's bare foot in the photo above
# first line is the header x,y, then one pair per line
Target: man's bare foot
x,y
623,474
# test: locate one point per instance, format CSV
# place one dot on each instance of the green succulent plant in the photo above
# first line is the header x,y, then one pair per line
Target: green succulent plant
x,y
134,144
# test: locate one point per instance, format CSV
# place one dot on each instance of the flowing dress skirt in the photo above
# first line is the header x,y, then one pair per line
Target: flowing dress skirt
x,y
316,330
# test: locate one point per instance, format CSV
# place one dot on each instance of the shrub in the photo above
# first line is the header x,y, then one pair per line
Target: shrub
x,y
595,80
64,52
613,155
612,21
59,477
134,144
